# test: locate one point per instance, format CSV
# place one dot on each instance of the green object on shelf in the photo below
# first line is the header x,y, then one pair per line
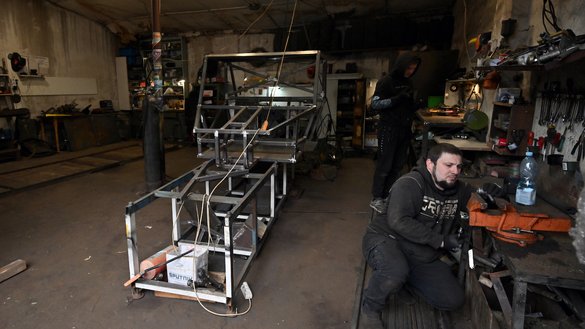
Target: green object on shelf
x,y
434,101
475,120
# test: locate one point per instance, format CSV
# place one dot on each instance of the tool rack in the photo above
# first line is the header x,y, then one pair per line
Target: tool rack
x,y
245,165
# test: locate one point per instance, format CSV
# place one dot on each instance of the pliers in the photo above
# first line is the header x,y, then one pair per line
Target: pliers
x,y
579,144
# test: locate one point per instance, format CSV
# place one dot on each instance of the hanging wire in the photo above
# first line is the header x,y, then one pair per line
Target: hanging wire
x,y
549,16
206,201
256,20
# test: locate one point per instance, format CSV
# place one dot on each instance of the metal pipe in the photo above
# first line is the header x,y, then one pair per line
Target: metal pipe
x,y
154,165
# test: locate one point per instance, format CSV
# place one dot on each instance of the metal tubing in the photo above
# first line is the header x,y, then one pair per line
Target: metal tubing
x,y
131,241
217,150
229,262
253,107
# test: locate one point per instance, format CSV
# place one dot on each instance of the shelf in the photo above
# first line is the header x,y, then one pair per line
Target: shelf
x,y
175,69
503,150
555,63
28,76
503,104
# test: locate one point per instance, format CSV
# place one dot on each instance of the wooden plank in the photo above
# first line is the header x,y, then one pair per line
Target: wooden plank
x,y
519,307
502,298
479,310
175,296
12,269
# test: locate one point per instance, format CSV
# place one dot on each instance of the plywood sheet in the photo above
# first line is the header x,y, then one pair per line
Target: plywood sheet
x,y
125,154
96,162
35,176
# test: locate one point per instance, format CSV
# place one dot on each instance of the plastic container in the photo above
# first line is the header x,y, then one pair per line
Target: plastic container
x,y
526,189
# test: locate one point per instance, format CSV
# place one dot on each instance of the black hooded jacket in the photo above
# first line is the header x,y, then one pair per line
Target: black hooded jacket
x,y
393,97
419,215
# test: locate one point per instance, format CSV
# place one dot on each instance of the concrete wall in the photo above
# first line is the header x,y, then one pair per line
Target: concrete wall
x,y
371,65
198,46
487,16
473,18
76,48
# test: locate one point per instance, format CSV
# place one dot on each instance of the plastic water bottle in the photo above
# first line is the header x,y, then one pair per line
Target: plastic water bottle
x,y
526,190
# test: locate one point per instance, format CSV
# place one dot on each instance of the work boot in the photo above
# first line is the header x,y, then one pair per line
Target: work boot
x,y
379,205
371,320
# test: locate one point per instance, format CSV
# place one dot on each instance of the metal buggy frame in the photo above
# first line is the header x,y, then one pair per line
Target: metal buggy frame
x,y
223,131
229,135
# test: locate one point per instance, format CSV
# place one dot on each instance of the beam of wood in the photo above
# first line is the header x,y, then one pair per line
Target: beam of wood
x,y
176,296
12,269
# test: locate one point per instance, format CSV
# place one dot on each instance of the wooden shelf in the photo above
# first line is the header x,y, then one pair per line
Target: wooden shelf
x,y
28,76
503,104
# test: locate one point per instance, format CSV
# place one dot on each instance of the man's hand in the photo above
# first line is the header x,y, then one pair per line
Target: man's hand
x,y
452,242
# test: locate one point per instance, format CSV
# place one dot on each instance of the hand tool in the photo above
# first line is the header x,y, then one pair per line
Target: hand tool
x,y
507,224
530,140
579,146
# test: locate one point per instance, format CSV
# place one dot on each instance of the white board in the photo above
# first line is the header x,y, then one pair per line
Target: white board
x,y
43,86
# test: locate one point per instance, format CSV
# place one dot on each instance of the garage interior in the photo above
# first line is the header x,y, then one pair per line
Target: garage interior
x,y
134,129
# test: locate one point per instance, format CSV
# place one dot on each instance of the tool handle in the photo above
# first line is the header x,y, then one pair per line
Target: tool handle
x,y
132,280
575,147
561,143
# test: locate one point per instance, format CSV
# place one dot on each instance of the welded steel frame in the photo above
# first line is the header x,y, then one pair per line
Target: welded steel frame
x,y
243,206
226,141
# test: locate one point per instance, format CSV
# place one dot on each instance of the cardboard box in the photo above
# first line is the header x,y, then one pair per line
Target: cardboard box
x,y
181,270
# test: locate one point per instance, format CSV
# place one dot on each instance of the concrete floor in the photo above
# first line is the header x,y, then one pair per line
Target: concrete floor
x,y
71,234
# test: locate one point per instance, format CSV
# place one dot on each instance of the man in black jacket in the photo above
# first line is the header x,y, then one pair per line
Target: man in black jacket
x,y
404,245
393,99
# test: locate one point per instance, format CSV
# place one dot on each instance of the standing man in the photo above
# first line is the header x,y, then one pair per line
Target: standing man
x,y
403,246
393,99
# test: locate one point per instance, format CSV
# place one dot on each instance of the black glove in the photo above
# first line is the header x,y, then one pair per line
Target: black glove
x,y
403,96
452,241
494,190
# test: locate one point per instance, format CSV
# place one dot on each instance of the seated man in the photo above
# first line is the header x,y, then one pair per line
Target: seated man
x,y
404,245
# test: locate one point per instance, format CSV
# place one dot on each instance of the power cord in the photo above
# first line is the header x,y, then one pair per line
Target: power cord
x,y
205,202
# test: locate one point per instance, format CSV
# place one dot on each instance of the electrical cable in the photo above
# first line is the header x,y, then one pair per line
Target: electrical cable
x,y
256,20
205,202
280,65
549,16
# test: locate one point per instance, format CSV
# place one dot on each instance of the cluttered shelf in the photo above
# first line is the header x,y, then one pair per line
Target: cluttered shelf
x,y
551,52
465,144
573,57
448,119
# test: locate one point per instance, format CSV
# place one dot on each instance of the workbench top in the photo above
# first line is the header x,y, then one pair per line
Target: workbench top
x,y
551,261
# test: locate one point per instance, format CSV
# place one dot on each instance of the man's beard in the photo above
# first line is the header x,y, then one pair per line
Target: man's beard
x,y
442,184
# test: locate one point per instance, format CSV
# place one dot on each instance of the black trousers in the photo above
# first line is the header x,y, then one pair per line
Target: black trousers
x,y
392,268
393,143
